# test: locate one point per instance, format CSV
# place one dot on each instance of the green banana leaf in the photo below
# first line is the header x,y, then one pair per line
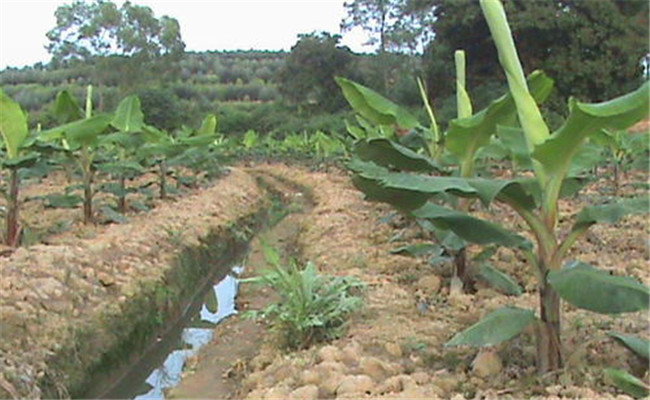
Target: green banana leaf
x,y
128,116
13,125
499,280
403,200
84,131
66,108
486,190
375,107
470,228
466,136
499,326
592,289
638,345
556,153
22,161
418,249
389,154
513,140
628,383
208,125
611,213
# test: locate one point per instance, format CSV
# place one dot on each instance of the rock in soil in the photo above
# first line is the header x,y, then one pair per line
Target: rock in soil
x,y
487,363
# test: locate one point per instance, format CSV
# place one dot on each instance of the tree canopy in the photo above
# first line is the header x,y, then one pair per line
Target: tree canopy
x,y
592,48
308,74
123,41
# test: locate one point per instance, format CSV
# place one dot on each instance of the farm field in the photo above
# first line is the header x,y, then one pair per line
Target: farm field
x,y
437,219
394,345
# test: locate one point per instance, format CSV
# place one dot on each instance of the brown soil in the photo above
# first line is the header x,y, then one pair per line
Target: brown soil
x,y
67,298
394,348
395,345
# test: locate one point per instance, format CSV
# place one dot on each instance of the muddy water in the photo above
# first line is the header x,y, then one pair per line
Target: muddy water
x,y
207,339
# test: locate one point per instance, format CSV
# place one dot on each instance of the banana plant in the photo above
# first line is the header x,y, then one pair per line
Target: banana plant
x,y
188,147
460,143
80,137
552,157
626,150
128,120
13,126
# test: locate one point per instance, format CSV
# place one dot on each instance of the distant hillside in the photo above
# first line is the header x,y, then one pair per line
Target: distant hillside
x,y
205,79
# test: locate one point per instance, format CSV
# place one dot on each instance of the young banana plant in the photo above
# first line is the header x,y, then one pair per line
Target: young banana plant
x,y
13,126
463,139
80,137
553,157
128,120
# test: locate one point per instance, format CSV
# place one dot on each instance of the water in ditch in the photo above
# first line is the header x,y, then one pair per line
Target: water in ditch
x,y
163,368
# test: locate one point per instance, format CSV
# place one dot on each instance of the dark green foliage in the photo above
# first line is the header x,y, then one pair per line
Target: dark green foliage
x,y
161,108
307,77
574,42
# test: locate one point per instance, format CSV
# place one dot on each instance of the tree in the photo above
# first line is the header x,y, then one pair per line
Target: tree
x,y
592,48
307,77
394,25
126,44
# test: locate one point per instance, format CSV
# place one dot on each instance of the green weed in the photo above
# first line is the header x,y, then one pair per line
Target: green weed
x,y
312,307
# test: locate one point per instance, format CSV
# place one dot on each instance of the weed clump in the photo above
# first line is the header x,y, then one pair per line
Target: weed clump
x,y
312,308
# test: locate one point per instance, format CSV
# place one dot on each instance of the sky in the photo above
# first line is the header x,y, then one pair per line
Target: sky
x,y
205,25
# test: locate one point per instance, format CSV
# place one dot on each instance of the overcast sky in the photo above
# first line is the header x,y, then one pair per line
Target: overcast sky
x,y
205,25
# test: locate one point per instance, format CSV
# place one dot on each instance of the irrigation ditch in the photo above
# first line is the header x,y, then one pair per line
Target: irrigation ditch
x,y
110,347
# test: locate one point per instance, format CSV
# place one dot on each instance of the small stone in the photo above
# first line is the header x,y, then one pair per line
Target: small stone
x,y
256,394
458,396
429,284
329,353
447,383
330,383
487,363
309,392
374,368
390,385
277,393
355,385
309,377
394,349
421,377
351,353
105,279
329,368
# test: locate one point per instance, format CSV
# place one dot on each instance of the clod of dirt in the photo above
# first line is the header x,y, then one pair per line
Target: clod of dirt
x,y
487,363
394,349
277,393
351,353
374,368
355,386
330,353
309,392
421,377
430,284
447,382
